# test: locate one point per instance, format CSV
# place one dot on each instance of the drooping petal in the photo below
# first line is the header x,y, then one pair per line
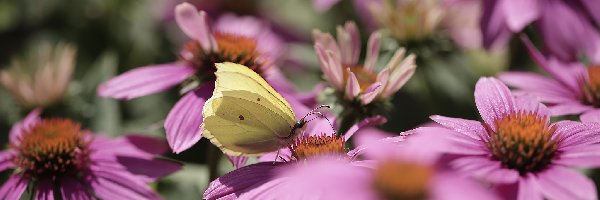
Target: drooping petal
x,y
323,5
483,167
580,156
110,184
6,161
496,32
493,100
331,65
72,189
234,183
450,186
520,13
591,116
372,92
352,86
569,108
561,183
31,119
44,190
371,121
567,75
145,80
193,24
372,51
148,169
471,128
237,161
183,122
146,143
529,189
402,70
14,187
566,31
548,90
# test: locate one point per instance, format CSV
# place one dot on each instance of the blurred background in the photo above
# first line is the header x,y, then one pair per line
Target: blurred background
x,y
89,41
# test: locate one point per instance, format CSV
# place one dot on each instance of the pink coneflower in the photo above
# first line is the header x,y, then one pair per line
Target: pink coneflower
x,y
242,44
259,181
55,157
567,27
517,144
355,81
570,89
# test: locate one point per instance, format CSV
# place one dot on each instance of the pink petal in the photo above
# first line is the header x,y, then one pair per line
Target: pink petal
x,y
402,69
549,90
529,189
148,144
372,51
241,180
571,134
531,104
193,24
580,156
483,167
562,183
323,5
456,143
371,121
590,116
148,169
372,92
471,128
14,187
44,190
592,6
146,80
118,185
31,119
451,186
494,28
72,189
237,161
183,121
570,108
493,100
6,161
520,13
349,41
352,86
566,75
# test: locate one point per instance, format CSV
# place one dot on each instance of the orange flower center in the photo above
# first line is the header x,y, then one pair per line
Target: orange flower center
x,y
365,78
308,146
52,148
523,141
232,48
402,180
592,88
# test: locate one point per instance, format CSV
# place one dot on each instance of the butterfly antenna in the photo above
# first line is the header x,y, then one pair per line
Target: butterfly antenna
x,y
322,115
276,156
314,110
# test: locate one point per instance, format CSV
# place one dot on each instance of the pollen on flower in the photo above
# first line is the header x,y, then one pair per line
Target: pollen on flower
x,y
52,148
523,141
307,146
232,48
396,179
591,88
365,78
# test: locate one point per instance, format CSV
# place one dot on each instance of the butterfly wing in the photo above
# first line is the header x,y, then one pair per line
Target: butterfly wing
x,y
245,115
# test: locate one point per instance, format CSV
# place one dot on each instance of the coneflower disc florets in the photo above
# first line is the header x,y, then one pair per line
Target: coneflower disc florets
x,y
52,148
307,146
396,179
591,88
231,48
523,141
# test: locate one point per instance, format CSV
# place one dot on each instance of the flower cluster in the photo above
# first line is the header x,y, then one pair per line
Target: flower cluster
x,y
304,113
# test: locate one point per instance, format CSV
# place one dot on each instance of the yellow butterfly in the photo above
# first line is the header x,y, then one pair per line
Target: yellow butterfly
x,y
245,115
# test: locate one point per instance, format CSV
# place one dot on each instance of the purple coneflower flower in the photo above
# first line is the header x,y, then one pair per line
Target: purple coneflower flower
x,y
570,88
261,180
517,144
567,26
242,44
360,82
56,158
